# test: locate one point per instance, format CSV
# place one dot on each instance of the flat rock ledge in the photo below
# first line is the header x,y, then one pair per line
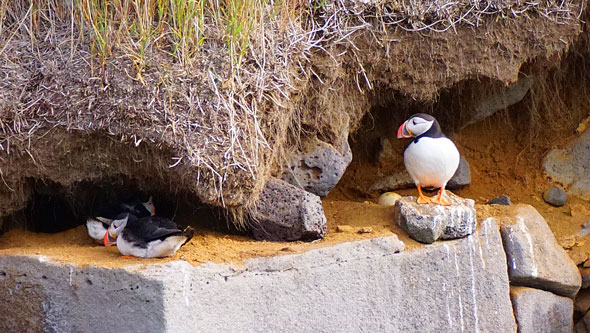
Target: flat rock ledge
x,y
428,223
362,286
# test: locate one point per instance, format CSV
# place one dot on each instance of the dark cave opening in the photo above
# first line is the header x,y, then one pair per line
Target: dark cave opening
x,y
54,208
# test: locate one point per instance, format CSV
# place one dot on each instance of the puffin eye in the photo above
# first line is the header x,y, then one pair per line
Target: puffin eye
x,y
414,121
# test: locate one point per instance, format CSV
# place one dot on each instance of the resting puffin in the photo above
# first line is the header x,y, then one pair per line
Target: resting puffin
x,y
431,158
97,225
147,237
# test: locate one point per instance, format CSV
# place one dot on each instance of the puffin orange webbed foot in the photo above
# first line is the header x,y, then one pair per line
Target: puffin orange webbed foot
x,y
439,198
422,199
441,201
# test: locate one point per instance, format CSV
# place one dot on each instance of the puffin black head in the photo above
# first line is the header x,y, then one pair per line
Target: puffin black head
x,y
419,124
140,206
117,225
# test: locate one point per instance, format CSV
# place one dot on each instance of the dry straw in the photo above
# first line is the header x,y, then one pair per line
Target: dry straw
x,y
215,83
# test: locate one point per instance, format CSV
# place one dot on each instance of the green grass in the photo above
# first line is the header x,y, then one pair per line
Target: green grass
x,y
178,27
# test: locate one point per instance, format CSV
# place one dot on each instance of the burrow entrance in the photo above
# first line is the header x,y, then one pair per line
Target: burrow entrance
x,y
54,208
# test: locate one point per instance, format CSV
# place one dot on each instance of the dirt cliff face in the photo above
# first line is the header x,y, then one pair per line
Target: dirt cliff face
x,y
218,131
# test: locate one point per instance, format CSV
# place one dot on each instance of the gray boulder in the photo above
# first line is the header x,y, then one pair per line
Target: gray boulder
x,y
397,181
319,167
535,259
427,223
462,176
284,212
570,166
555,196
494,100
401,180
541,311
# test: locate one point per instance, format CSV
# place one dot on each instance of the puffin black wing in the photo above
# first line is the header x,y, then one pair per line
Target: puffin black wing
x,y
151,228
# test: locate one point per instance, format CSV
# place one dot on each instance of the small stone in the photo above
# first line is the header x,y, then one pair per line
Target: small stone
x,y
344,228
568,243
541,311
389,198
427,223
555,196
502,199
578,210
365,230
585,229
462,176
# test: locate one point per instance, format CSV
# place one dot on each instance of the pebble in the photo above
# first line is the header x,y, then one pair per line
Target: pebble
x,y
388,198
500,200
344,228
578,210
555,196
585,230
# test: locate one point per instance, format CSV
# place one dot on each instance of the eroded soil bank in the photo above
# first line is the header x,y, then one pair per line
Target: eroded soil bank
x,y
502,162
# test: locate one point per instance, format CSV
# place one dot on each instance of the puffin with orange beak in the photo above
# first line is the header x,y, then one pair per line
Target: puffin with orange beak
x,y
431,158
99,223
147,237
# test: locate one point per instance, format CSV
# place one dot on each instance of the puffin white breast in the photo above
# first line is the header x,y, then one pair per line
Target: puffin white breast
x,y
431,161
96,229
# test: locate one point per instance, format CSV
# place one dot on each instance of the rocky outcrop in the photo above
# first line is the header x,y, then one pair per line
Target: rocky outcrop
x,y
570,166
535,259
495,100
541,311
286,213
370,286
427,223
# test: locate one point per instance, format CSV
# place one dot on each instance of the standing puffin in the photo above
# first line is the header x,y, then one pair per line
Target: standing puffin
x,y
147,237
97,225
431,158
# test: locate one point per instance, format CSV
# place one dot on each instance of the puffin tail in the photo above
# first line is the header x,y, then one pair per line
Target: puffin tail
x,y
189,232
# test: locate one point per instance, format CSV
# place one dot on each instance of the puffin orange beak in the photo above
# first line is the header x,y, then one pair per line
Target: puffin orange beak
x,y
107,240
402,132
